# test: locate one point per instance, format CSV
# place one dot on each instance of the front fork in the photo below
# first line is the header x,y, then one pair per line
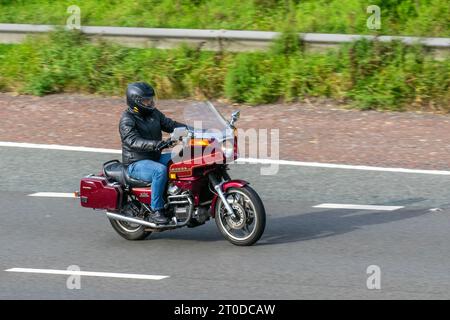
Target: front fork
x,y
218,187
221,186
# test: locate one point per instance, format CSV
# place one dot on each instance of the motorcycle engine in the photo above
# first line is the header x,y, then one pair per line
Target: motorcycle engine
x,y
201,215
177,202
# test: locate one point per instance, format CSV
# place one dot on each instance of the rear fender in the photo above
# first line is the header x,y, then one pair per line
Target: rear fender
x,y
227,185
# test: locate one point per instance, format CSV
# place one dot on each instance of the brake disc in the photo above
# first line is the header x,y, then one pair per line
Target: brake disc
x,y
241,220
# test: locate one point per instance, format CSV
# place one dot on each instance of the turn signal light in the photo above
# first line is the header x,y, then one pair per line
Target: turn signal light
x,y
199,142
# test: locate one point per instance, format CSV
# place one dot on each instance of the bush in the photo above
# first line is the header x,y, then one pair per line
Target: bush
x,y
369,75
393,76
255,78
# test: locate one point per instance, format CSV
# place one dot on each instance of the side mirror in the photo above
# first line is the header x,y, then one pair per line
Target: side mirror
x,y
234,117
178,133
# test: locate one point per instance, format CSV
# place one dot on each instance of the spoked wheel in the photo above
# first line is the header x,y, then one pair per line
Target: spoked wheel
x,y
248,224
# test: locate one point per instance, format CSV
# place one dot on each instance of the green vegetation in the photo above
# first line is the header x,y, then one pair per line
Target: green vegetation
x,y
385,76
398,17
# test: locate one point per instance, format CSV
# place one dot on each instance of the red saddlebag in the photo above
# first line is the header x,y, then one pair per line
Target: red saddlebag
x,y
97,193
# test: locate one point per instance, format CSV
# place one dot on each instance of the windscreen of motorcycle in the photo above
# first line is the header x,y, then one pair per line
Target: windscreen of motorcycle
x,y
206,120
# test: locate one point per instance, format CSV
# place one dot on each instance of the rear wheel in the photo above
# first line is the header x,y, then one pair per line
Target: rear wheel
x,y
129,231
249,222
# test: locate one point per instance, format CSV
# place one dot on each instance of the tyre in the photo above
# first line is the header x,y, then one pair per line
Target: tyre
x,y
129,231
249,222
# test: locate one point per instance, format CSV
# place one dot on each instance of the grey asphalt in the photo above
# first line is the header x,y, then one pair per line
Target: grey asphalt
x,y
305,252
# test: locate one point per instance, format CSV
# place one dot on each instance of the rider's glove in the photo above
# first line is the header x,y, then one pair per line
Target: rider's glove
x,y
172,143
159,145
165,144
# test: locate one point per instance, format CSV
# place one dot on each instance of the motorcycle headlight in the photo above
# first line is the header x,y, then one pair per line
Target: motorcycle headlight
x,y
228,148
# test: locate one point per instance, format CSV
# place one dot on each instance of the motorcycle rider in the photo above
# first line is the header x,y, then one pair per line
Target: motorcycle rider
x,y
140,131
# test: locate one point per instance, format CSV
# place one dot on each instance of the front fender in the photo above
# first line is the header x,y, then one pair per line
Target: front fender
x,y
227,185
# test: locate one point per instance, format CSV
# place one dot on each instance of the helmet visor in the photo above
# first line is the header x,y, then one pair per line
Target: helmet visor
x,y
147,102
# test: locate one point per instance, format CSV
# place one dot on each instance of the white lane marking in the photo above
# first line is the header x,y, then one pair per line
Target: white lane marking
x,y
240,160
357,207
341,166
89,273
53,194
56,147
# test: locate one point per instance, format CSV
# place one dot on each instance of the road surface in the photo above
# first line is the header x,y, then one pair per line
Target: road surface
x,y
306,252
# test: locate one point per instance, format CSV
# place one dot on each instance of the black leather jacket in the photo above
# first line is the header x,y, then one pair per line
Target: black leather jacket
x,y
141,134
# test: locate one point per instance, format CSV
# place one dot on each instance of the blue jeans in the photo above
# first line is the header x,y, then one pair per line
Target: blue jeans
x,y
154,172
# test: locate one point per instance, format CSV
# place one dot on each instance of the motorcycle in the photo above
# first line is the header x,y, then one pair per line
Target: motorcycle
x,y
199,187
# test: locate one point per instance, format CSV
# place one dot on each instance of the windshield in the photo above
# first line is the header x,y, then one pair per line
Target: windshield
x,y
205,119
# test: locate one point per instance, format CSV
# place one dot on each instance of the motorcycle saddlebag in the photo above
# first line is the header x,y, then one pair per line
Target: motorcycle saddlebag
x,y
97,193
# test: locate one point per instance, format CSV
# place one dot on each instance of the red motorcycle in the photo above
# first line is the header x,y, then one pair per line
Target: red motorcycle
x,y
199,186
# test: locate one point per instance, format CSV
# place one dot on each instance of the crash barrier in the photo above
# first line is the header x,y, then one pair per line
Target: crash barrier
x,y
230,40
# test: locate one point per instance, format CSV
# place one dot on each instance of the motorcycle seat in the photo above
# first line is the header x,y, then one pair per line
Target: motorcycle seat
x,y
115,171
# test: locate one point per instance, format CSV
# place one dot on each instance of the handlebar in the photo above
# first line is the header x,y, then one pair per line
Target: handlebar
x,y
169,142
164,144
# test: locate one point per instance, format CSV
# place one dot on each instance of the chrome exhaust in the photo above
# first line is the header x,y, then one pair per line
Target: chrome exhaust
x,y
142,222
152,225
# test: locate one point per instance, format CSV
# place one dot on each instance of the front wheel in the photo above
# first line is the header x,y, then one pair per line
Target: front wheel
x,y
249,222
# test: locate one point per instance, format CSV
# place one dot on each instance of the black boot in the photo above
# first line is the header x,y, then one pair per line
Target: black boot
x,y
160,217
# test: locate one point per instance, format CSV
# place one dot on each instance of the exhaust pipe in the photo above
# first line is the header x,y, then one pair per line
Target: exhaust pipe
x,y
142,222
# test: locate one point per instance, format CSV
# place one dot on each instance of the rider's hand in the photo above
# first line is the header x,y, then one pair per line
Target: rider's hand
x,y
159,145
172,143
165,144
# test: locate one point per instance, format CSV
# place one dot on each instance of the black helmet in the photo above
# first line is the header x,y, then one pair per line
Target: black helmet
x,y
140,97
